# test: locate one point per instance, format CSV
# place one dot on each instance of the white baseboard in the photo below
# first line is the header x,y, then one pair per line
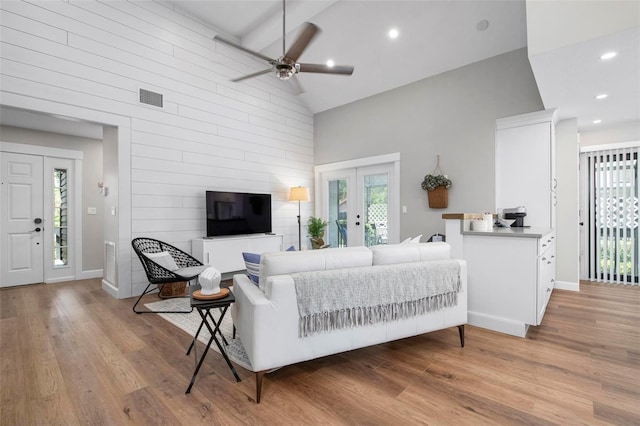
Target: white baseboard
x,y
59,279
501,325
87,275
110,289
566,285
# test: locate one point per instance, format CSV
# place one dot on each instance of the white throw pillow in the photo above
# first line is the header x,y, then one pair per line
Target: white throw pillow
x,y
163,259
407,241
416,239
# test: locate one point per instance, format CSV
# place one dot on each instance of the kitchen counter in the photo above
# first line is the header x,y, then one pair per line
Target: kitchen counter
x,y
511,232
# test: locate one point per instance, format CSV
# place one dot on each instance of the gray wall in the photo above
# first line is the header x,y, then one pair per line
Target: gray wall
x,y
92,244
452,115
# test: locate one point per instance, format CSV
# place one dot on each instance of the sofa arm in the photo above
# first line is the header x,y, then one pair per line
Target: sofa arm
x,y
265,325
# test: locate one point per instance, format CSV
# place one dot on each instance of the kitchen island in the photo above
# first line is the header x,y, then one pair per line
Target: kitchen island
x,y
511,272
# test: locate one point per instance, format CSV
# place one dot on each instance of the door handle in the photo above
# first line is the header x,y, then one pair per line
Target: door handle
x,y
37,230
357,223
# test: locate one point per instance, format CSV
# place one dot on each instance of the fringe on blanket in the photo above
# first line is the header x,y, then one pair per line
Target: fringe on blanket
x,y
361,316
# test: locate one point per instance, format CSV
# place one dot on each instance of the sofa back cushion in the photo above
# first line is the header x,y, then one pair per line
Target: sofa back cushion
x,y
410,252
281,263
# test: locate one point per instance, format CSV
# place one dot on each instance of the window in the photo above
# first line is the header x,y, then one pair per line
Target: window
x,y
60,216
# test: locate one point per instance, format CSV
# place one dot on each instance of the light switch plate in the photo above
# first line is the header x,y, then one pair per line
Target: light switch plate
x,y
91,210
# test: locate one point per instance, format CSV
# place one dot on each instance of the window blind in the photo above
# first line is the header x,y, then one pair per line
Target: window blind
x,y
613,215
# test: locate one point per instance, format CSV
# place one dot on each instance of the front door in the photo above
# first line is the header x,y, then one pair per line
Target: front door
x,y
21,219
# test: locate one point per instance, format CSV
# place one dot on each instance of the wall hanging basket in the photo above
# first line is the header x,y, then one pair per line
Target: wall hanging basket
x,y
438,198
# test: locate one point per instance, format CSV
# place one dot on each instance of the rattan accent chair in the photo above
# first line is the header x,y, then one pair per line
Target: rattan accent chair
x,y
158,274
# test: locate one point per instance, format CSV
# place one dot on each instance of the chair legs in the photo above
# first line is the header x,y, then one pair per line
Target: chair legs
x,y
148,290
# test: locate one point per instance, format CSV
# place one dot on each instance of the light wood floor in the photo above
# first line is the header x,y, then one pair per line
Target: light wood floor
x,y
70,354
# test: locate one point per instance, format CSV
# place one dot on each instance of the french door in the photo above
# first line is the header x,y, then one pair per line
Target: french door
x,y
359,203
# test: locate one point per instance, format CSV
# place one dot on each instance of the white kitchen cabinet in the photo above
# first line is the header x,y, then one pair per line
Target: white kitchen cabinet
x,y
525,166
511,274
225,253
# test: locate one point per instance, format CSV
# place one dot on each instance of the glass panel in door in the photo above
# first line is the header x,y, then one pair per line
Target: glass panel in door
x,y
375,211
337,212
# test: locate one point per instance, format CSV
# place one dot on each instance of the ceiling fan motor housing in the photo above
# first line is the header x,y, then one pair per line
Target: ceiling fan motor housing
x,y
286,69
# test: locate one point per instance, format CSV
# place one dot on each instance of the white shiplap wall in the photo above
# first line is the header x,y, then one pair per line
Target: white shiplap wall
x,y
211,134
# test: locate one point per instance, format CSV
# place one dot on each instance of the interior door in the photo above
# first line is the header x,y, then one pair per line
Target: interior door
x,y
21,233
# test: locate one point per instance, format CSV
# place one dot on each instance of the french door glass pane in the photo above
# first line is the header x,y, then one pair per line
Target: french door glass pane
x,y
375,195
337,228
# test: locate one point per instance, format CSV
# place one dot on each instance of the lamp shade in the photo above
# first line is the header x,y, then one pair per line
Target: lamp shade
x,y
299,193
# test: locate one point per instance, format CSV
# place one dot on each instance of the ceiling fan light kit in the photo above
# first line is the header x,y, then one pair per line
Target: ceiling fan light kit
x,y
286,66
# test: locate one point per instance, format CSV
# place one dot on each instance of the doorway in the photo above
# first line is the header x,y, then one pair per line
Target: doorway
x,y
360,201
609,215
38,224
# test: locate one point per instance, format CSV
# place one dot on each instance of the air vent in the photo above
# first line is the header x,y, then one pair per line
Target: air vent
x,y
150,98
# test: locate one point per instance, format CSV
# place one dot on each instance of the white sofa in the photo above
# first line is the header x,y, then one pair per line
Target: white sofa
x,y
267,320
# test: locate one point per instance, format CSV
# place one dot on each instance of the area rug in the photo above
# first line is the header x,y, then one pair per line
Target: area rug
x,y
190,323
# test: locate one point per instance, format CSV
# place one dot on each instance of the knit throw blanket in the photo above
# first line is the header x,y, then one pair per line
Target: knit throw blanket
x,y
351,297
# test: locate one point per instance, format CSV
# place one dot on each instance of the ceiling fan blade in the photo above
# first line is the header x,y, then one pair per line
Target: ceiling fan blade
x,y
255,74
242,48
296,86
308,33
324,69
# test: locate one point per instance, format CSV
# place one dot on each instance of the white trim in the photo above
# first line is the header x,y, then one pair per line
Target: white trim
x,y
359,162
565,285
527,119
110,289
603,147
87,275
45,151
503,325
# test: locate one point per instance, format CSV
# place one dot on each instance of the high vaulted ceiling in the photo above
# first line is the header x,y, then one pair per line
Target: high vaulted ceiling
x,y
434,37
439,35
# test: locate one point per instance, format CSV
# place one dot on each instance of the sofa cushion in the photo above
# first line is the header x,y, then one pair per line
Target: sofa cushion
x,y
281,263
406,253
438,250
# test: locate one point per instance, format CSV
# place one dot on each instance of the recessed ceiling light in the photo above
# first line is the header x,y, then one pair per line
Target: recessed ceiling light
x,y
393,33
330,63
602,96
608,55
597,121
482,25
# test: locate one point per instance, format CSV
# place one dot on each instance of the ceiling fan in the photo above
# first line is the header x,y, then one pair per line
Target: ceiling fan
x,y
287,65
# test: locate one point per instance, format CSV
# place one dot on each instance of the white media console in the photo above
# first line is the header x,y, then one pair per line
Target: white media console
x,y
225,253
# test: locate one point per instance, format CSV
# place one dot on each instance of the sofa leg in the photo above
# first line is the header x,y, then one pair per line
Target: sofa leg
x,y
259,376
461,332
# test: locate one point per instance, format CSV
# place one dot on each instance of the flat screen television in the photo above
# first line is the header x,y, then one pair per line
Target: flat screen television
x,y
237,213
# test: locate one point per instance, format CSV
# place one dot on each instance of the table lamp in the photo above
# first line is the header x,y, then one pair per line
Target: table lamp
x,y
299,193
